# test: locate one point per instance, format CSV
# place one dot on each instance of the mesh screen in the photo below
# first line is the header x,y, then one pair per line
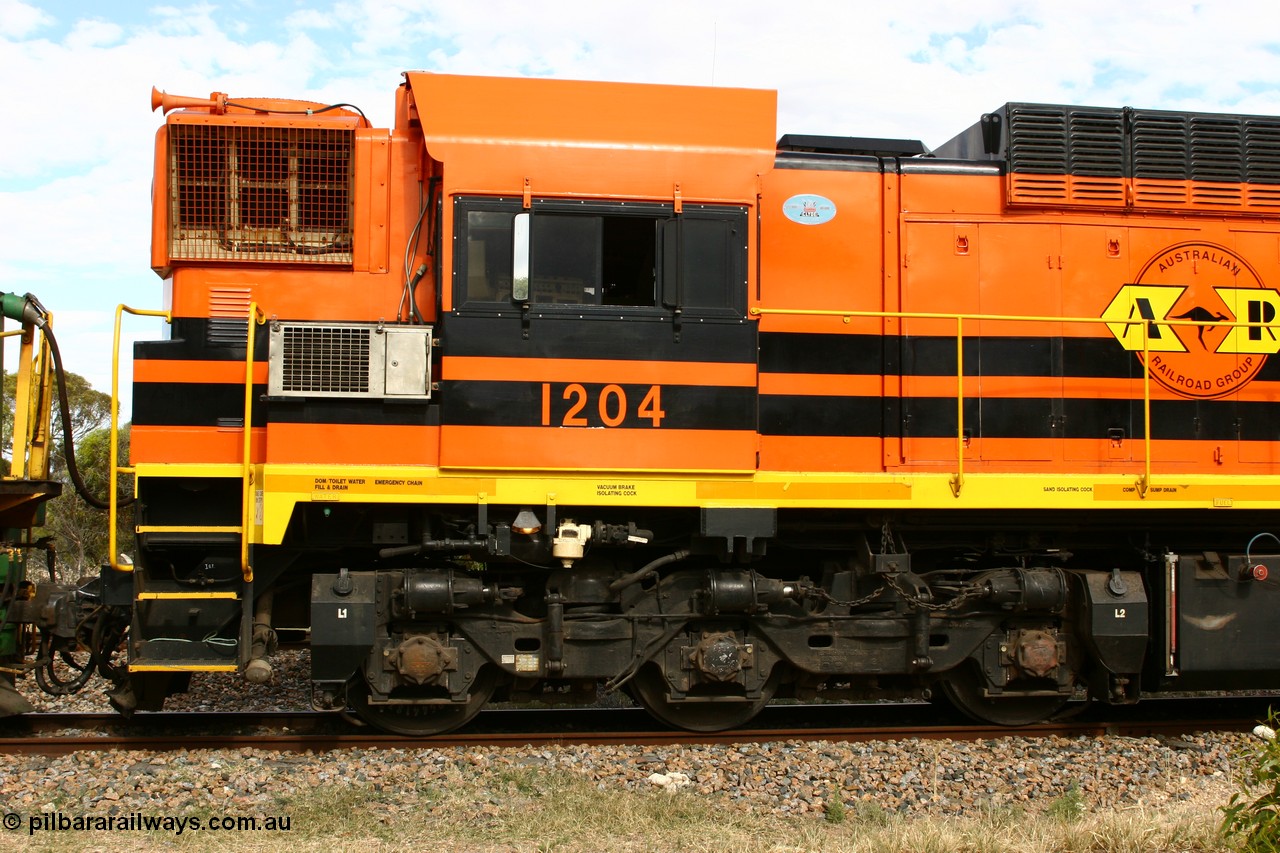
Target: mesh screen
x,y
325,359
260,193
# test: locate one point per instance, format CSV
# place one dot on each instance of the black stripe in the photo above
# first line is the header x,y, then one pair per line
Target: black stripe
x,y
194,404
1074,418
1013,417
796,416
356,412
187,341
794,352
798,352
475,403
1270,371
1098,358
1256,421
222,404
599,337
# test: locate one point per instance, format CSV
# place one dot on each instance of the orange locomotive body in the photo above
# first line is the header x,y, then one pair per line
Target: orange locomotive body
x,y
561,384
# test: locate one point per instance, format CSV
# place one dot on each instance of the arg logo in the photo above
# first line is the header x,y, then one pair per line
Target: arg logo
x,y
1180,305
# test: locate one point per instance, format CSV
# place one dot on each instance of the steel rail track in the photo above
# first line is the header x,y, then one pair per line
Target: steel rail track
x,y
60,734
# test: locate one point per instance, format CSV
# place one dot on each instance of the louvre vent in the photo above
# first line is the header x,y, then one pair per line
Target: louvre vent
x,y
1262,150
1217,149
1066,155
243,192
352,360
1141,159
1038,140
1160,150
1050,140
228,316
1096,143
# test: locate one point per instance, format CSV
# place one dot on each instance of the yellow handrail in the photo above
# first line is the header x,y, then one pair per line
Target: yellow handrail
x,y
1145,482
957,480
113,496
248,517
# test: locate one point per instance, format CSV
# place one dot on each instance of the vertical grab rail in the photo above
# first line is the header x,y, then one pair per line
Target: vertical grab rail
x,y
957,482
113,490
1144,482
248,498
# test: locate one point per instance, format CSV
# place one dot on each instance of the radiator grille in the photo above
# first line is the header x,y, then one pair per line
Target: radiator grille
x,y
242,192
325,360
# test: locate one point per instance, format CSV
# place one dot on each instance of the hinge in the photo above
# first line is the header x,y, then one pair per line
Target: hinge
x,y
679,202
528,194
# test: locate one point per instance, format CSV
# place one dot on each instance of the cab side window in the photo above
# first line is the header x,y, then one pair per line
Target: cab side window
x,y
643,257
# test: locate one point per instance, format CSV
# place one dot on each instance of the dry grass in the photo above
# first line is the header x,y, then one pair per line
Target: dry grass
x,y
534,809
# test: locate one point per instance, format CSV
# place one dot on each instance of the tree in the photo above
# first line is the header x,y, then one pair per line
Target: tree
x,y
80,531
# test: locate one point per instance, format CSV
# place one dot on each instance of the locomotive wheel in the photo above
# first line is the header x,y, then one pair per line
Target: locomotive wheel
x,y
650,689
964,690
421,720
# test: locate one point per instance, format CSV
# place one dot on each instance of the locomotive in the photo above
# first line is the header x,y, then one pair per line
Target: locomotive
x,y
562,387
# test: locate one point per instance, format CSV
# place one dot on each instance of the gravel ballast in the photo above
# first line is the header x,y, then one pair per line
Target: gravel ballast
x,y
784,778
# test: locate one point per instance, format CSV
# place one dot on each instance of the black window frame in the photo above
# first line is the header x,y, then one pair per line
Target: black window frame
x,y
724,297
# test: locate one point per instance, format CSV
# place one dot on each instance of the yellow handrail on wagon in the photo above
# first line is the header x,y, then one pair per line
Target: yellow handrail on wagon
x,y
32,404
1143,483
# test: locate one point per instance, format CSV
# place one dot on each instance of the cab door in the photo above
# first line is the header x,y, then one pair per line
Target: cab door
x,y
593,335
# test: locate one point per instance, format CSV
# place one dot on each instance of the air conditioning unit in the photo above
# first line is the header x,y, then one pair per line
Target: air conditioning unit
x,y
353,360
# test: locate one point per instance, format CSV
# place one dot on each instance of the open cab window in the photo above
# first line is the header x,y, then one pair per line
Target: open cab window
x,y
586,255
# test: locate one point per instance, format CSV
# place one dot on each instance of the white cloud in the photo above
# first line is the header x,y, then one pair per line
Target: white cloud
x,y
19,20
89,34
304,19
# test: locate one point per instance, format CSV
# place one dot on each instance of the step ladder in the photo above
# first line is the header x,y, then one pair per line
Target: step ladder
x,y
176,625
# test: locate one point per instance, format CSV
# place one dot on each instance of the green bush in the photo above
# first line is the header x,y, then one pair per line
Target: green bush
x,y
1070,806
1254,811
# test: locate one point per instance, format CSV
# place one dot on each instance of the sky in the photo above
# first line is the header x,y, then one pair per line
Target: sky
x,y
76,76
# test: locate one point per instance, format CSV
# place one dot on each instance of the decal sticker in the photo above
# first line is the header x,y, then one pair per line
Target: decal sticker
x,y
809,209
1180,305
